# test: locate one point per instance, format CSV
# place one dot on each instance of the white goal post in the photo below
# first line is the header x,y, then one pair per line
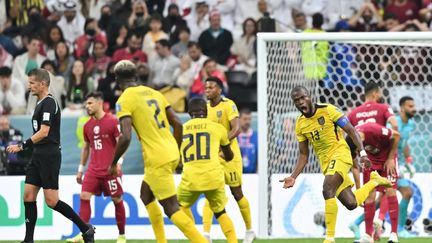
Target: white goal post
x,y
400,61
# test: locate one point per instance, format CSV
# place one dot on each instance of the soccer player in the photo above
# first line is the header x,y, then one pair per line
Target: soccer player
x,y
374,111
44,167
224,111
149,113
202,171
320,124
100,137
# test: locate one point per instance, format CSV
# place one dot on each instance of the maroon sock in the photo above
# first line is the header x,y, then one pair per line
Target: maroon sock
x,y
383,207
85,211
393,212
369,213
120,215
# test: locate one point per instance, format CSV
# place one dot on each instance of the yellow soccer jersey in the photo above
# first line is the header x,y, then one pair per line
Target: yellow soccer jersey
x,y
223,113
323,133
202,170
147,108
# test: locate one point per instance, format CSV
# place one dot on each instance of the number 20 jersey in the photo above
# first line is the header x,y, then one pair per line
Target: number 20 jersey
x,y
322,132
147,109
202,170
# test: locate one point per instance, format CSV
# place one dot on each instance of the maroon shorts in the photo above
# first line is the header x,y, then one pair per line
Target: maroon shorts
x,y
111,186
382,172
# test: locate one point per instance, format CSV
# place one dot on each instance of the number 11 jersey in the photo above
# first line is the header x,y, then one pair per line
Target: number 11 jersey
x,y
147,109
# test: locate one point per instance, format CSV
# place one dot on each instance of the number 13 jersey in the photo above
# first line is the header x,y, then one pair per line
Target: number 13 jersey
x,y
147,108
322,132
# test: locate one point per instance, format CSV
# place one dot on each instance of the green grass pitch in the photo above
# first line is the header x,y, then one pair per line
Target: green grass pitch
x,y
343,240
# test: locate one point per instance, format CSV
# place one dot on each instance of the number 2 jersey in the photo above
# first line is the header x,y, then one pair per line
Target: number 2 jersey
x,y
202,170
101,135
371,112
147,108
322,132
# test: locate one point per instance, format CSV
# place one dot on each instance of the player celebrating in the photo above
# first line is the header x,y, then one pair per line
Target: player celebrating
x,y
320,125
373,111
202,171
44,166
224,111
100,137
149,113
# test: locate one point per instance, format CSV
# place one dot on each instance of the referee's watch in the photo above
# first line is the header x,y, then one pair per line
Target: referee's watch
x,y
20,146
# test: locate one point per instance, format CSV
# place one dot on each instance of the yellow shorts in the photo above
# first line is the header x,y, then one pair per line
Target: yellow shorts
x,y
341,165
217,198
233,171
161,180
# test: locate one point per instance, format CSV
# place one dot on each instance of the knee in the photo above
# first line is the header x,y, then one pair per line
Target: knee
x,y
407,193
351,205
85,196
51,202
218,214
328,192
116,199
145,199
28,197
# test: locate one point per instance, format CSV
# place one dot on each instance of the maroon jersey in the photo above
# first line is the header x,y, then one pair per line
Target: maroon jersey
x,y
101,136
371,112
377,142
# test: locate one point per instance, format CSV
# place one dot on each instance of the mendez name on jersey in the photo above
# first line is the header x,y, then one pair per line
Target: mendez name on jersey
x,y
47,112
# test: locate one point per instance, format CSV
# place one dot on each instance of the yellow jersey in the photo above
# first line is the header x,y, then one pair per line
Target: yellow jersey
x,y
202,170
223,113
147,108
323,133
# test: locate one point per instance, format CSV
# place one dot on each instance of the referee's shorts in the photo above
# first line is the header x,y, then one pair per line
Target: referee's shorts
x,y
44,166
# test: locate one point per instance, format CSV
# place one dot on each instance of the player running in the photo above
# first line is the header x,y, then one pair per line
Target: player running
x,y
100,138
224,111
320,124
202,171
374,111
149,113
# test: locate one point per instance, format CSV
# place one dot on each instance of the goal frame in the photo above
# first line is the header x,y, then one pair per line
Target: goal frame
x,y
263,175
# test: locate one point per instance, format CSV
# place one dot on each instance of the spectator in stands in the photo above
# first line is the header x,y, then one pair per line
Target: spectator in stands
x,y
162,69
180,48
37,24
243,48
12,93
367,18
299,21
216,41
139,18
248,142
97,64
244,10
196,57
411,25
210,68
390,21
72,22
84,44
54,36
118,39
63,60
106,19
198,20
8,133
5,57
143,73
79,86
173,23
403,9
183,76
96,6
155,34
28,61
18,11
132,51
109,87
227,10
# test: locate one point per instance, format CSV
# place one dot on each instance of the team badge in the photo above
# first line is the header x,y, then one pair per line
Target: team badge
x,y
219,114
321,120
96,130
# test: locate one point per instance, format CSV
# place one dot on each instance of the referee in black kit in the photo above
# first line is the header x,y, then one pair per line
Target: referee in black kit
x,y
44,167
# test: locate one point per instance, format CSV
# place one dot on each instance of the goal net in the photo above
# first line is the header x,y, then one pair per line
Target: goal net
x,y
334,67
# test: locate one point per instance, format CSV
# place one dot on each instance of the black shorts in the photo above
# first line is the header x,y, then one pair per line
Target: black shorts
x,y
44,167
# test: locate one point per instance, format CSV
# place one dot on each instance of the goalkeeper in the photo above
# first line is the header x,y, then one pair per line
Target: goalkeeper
x,y
322,125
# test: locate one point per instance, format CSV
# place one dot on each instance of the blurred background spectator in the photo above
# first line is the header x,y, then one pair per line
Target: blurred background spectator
x,y
164,65
248,142
12,93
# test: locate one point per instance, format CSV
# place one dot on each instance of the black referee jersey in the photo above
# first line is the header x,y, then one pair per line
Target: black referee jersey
x,y
47,112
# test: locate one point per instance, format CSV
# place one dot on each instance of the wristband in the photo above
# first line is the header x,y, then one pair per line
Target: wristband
x,y
363,153
409,160
120,161
27,144
81,168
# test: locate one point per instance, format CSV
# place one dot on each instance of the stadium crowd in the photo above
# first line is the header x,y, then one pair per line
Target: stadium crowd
x,y
176,44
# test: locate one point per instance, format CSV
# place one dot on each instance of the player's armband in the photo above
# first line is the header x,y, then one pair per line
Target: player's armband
x,y
341,122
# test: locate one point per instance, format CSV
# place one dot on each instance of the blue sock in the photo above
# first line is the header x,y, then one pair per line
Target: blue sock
x,y
403,211
359,220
